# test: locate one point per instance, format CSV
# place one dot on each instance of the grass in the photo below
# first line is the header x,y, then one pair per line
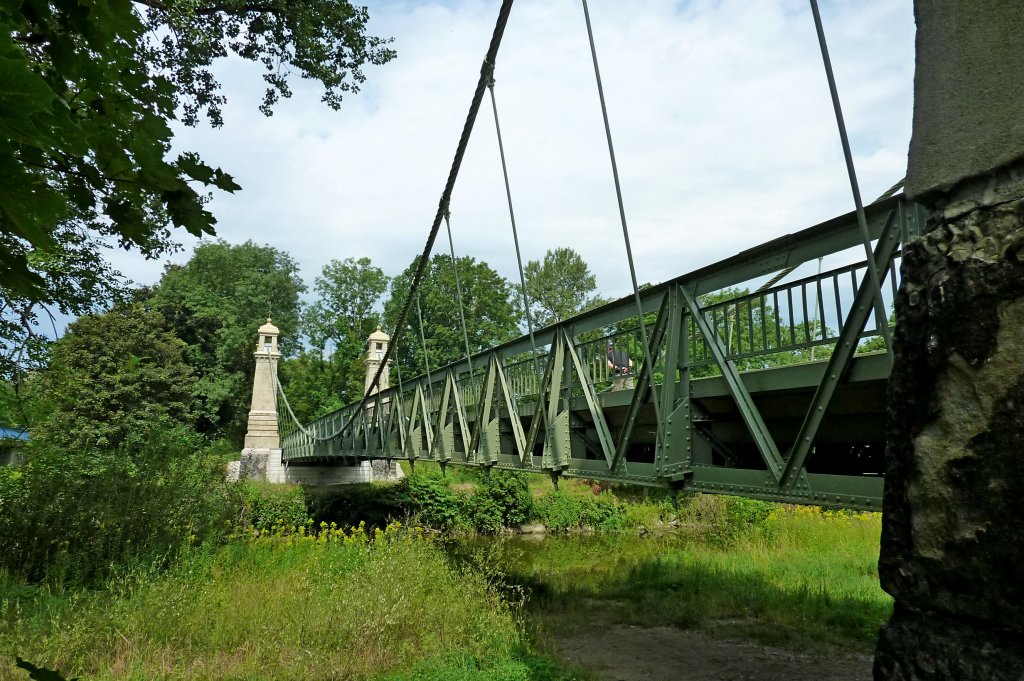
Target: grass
x,y
802,578
329,607
403,605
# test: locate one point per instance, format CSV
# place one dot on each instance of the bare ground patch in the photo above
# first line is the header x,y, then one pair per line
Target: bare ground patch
x,y
622,652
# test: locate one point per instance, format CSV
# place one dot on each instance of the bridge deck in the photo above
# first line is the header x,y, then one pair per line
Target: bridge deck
x,y
745,412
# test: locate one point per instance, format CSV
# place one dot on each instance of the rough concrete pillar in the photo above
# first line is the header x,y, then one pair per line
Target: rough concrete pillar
x,y
952,551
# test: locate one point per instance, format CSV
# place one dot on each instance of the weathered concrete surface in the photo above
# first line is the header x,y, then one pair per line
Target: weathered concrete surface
x,y
968,91
952,550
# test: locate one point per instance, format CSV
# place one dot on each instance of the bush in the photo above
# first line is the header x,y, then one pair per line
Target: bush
x,y
264,505
436,504
138,505
562,511
503,501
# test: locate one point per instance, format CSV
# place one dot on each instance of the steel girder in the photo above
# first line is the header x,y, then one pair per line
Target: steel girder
x,y
567,420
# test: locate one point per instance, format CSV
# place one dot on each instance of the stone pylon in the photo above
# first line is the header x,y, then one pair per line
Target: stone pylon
x,y
262,439
952,550
377,347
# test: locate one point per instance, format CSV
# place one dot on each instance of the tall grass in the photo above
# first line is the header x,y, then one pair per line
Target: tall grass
x,y
800,576
331,605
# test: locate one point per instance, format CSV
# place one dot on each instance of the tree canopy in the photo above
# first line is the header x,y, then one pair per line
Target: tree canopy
x,y
558,287
87,93
114,380
214,303
491,318
337,323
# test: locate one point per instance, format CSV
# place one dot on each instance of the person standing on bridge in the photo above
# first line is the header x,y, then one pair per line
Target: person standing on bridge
x,y
622,366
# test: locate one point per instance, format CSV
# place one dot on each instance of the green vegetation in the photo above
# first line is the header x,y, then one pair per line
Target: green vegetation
x,y
800,577
309,606
559,287
487,299
349,293
85,136
214,303
114,380
279,589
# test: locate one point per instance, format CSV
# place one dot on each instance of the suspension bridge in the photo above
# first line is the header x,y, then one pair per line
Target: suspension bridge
x,y
744,377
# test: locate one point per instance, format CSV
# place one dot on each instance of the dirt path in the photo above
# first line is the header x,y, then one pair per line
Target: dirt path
x,y
629,653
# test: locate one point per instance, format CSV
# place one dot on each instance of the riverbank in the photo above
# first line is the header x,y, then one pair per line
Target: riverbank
x,y
287,598
324,605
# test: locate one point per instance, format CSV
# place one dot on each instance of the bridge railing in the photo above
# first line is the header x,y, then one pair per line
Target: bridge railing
x,y
484,410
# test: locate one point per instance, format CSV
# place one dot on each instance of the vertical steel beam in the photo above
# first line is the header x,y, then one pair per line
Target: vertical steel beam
x,y
744,402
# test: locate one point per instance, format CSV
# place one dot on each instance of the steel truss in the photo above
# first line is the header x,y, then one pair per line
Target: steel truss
x,y
702,415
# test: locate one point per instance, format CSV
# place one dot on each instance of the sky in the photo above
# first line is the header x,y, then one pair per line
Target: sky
x,y
719,111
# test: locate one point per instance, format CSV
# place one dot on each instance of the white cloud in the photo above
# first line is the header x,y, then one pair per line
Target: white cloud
x,y
719,110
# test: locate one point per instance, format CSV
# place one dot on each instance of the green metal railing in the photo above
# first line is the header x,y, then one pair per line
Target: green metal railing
x,y
723,427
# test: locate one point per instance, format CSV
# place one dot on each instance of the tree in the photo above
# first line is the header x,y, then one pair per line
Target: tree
x,y
558,288
114,380
339,321
214,303
88,90
489,312
309,387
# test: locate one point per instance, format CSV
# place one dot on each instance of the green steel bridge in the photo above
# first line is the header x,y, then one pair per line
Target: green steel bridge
x,y
775,394
729,400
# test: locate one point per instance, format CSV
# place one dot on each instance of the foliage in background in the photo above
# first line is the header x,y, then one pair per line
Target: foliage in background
x,y
747,326
311,384
89,90
215,302
114,381
559,287
345,312
491,318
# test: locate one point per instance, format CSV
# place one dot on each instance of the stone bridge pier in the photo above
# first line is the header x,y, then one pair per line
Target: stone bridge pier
x,y
952,551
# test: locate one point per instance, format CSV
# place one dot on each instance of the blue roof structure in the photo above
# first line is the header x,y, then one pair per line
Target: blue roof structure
x,y
13,434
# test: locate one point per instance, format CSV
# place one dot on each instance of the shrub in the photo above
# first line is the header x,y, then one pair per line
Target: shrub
x,y
436,504
138,506
563,511
265,505
504,500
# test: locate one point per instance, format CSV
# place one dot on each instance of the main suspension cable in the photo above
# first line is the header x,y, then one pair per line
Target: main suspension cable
x,y
881,319
442,206
622,212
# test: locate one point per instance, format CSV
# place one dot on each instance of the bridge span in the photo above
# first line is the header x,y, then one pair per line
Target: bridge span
x,y
756,385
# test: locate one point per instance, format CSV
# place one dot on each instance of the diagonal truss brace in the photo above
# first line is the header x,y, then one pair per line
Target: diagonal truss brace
x,y
748,410
846,346
604,435
644,385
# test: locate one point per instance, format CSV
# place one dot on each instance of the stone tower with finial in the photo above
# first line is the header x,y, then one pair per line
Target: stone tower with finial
x,y
262,437
378,347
